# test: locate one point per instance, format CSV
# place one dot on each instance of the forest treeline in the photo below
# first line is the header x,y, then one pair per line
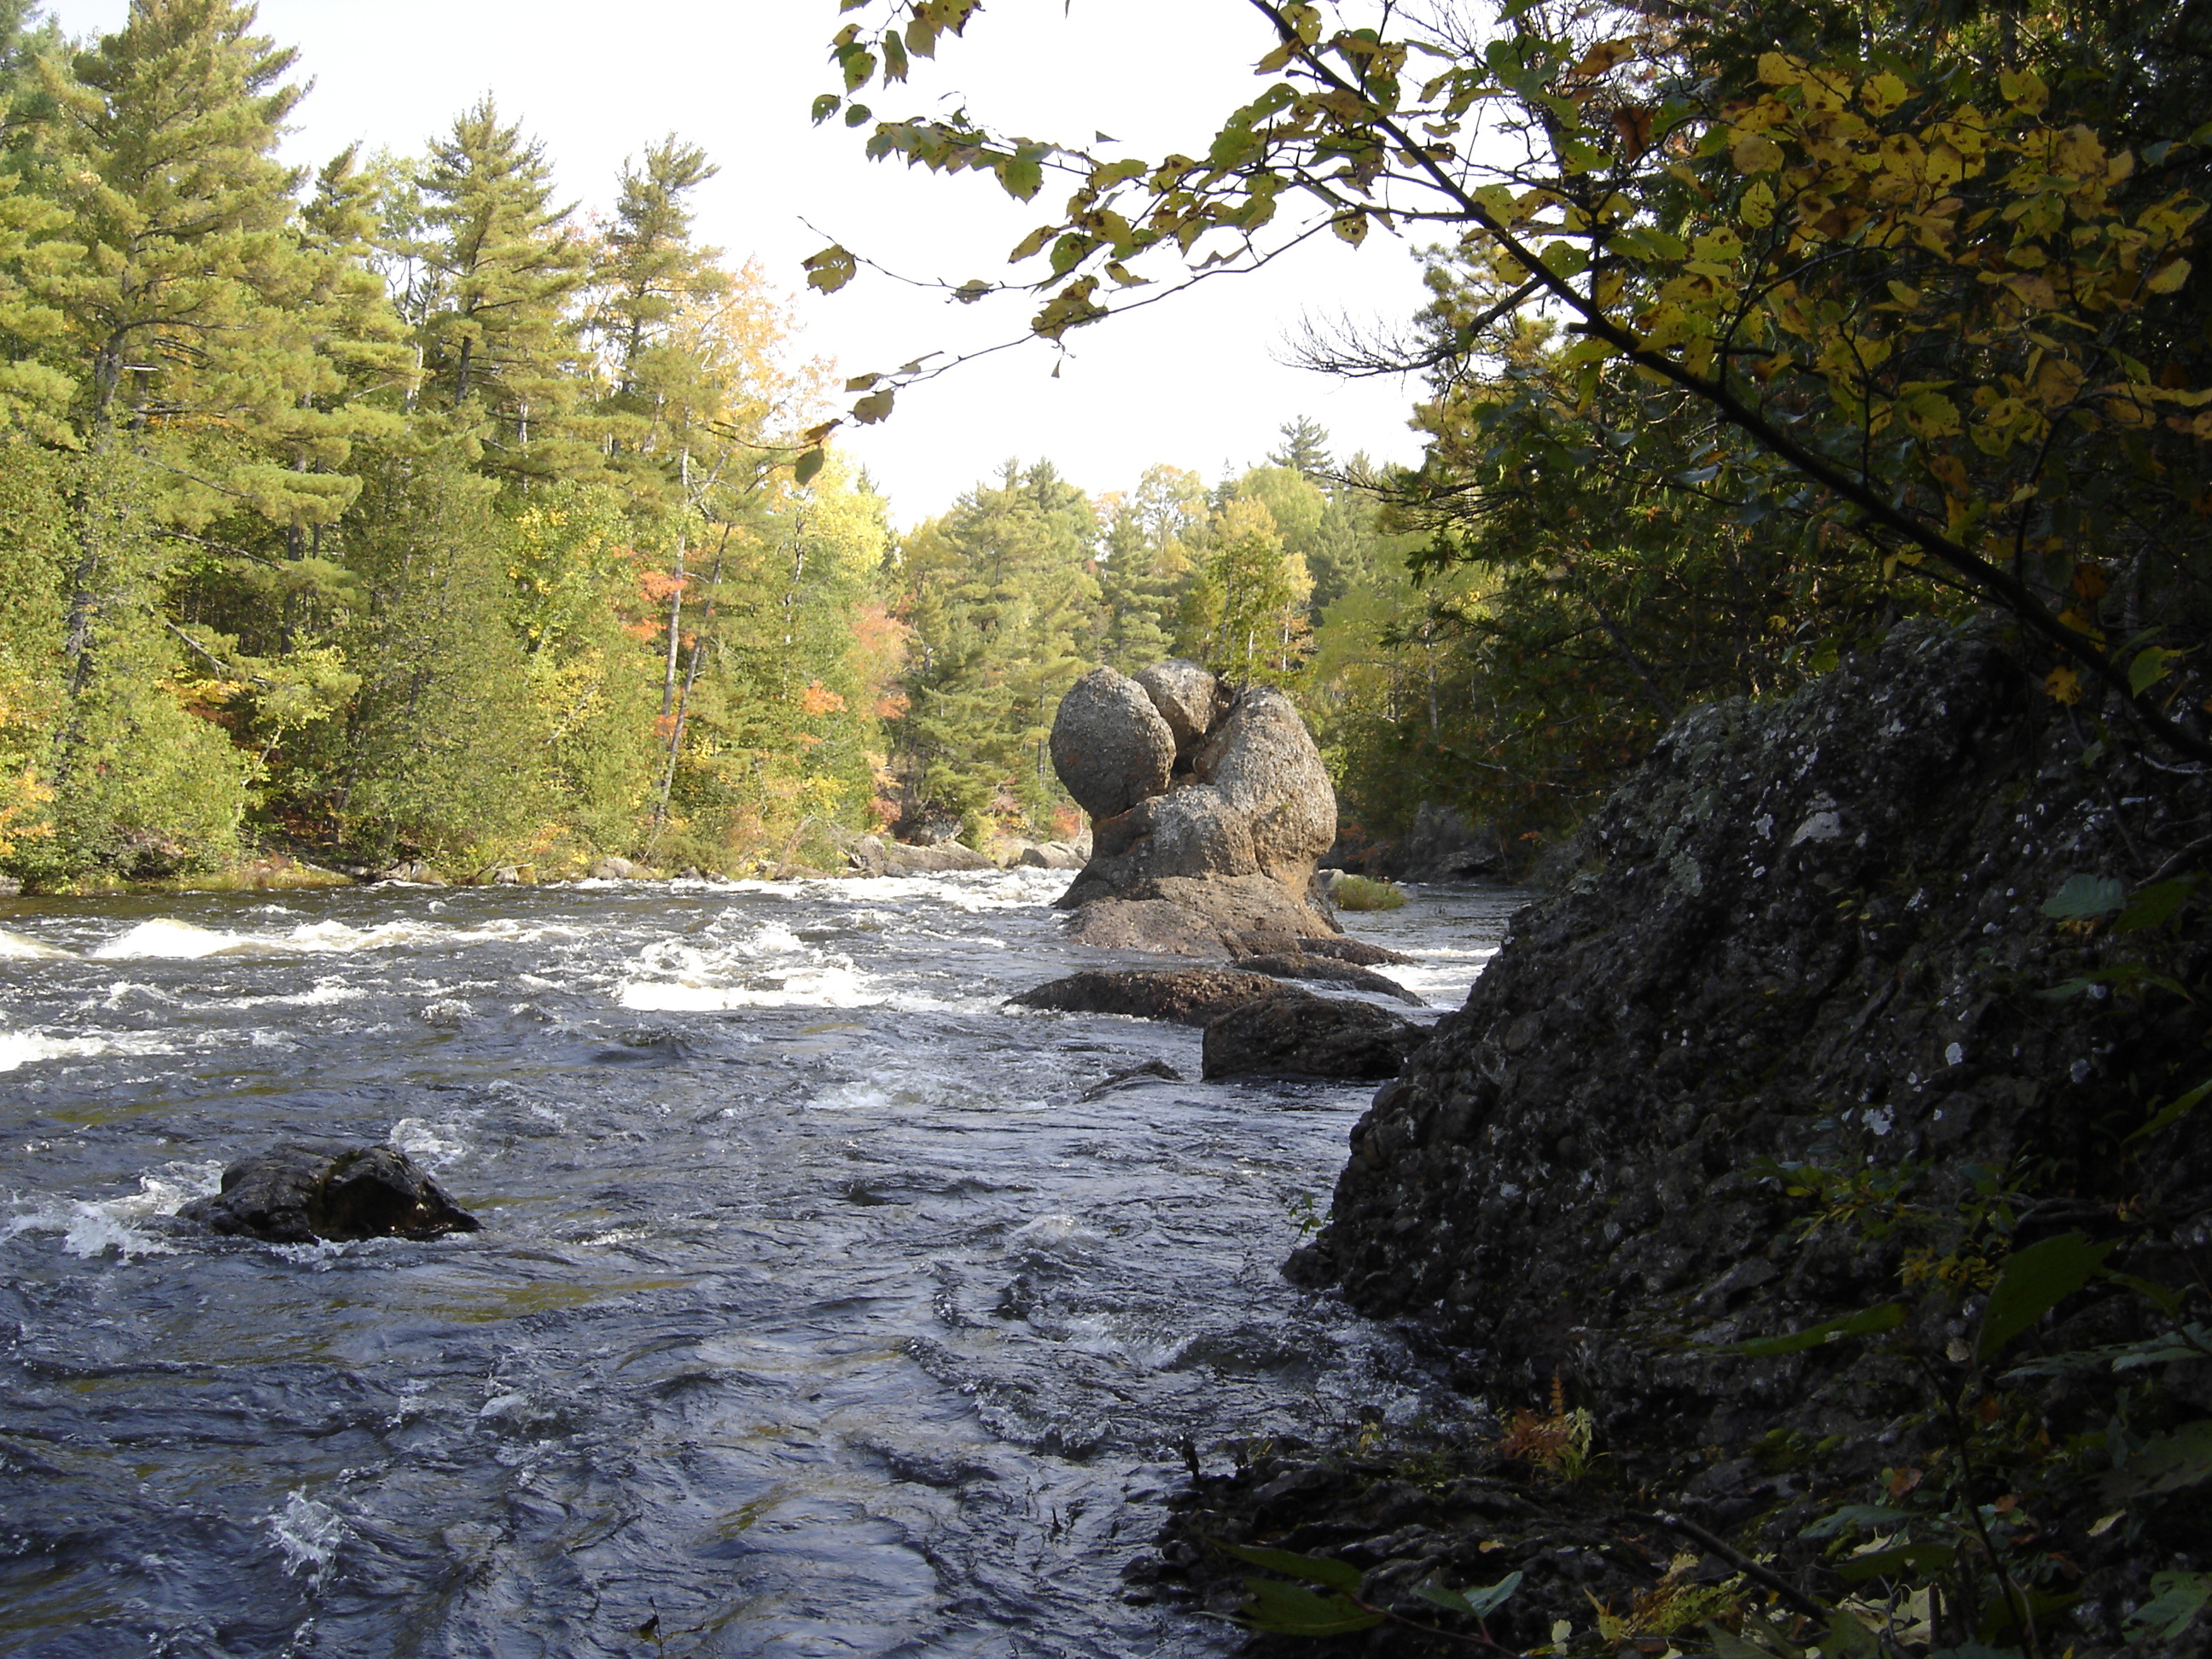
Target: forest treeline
x,y
394,510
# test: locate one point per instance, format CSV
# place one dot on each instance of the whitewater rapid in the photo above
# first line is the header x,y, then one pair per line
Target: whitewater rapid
x,y
825,1305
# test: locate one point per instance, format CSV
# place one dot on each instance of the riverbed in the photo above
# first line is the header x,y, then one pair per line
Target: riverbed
x,y
823,1305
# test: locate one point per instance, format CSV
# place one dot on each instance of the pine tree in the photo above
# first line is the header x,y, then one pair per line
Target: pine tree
x,y
498,345
1305,447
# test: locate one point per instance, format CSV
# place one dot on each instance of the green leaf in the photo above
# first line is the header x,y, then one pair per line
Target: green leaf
x,y
2149,906
1288,1610
2084,897
806,466
1891,1563
1852,1516
2151,666
1315,1569
2168,1463
1886,1317
2172,1112
1023,173
2178,1598
875,406
825,107
1727,1645
1847,1639
2032,1282
829,269
1475,1604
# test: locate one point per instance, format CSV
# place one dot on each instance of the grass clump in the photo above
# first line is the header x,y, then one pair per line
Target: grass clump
x,y
1362,893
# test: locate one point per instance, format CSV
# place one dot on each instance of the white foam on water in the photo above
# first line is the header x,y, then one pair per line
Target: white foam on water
x,y
23,947
308,1534
828,985
168,939
93,1230
428,1144
24,1048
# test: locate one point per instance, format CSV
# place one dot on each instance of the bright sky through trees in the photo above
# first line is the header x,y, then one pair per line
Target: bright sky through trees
x,y
1193,381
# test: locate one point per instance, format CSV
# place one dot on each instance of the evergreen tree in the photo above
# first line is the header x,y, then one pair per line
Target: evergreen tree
x,y
499,345
1305,448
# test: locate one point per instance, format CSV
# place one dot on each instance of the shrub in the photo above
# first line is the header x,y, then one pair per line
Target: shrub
x,y
1360,893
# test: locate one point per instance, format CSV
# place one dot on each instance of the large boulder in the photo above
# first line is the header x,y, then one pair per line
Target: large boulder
x,y
1190,700
1109,744
299,1192
1225,821
1158,926
1296,1034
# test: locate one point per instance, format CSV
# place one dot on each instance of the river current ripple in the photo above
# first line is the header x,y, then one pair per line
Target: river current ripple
x,y
817,1311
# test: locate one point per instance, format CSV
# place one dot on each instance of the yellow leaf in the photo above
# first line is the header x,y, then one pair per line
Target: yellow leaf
x,y
1883,94
2063,684
2024,90
2057,382
1909,298
2169,276
1755,153
1777,70
1757,206
1602,56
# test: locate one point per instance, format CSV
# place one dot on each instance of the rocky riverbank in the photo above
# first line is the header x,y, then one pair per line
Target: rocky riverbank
x,y
1853,1014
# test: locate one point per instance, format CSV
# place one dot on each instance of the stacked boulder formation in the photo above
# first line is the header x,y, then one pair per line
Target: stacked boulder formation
x,y
1209,812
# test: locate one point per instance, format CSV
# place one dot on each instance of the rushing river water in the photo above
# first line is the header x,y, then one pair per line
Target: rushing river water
x,y
822,1306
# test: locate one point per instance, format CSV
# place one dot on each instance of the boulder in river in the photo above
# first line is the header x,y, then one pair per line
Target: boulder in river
x,y
1295,1034
1109,744
299,1192
1359,952
1225,821
1183,996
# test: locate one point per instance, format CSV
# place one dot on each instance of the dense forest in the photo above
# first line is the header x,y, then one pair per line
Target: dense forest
x,y
395,509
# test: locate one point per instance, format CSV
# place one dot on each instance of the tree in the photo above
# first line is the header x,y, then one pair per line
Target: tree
x,y
1900,283
504,263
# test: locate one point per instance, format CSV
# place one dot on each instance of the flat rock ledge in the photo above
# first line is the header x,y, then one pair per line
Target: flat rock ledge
x,y
1195,996
301,1191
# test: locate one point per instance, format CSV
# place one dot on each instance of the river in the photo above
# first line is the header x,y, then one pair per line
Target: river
x,y
824,1306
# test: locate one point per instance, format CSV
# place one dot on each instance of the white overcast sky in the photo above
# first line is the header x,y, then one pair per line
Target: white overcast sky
x,y
1194,382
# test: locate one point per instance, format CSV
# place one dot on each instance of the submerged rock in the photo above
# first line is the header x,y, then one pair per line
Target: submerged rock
x,y
1296,965
1358,951
300,1192
1294,1033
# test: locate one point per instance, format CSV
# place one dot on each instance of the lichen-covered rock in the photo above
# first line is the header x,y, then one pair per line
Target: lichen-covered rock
x,y
298,1192
1189,698
1294,1033
1808,930
1234,838
1109,744
1263,762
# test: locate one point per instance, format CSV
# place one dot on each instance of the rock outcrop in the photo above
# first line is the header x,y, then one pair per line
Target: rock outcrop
x,y
1224,821
299,1192
873,855
1807,933
1296,1034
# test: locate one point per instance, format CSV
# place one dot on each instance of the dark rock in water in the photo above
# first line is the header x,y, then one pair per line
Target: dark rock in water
x,y
1183,996
1296,1034
300,1192
1445,844
1357,952
1296,965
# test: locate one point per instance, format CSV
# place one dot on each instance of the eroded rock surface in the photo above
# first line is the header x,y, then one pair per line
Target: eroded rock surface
x,y
1809,931
299,1192
1109,744
1225,819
